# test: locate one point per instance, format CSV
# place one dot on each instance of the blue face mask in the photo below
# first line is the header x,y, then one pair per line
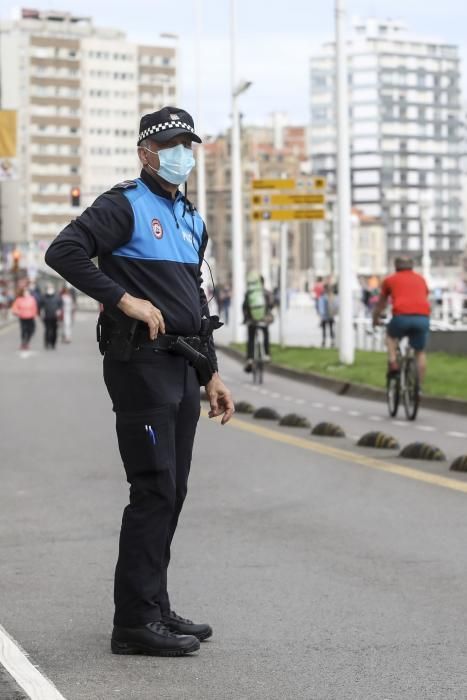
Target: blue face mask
x,y
175,163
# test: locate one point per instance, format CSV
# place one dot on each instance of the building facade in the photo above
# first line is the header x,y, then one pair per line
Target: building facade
x,y
80,91
405,133
271,151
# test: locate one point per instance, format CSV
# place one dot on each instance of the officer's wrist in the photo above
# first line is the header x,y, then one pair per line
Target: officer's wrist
x,y
124,302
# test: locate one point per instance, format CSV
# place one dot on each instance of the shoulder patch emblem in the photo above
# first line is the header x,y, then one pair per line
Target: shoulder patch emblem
x,y
125,185
157,228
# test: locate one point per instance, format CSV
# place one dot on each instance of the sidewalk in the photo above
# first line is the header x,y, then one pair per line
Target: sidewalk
x,y
302,329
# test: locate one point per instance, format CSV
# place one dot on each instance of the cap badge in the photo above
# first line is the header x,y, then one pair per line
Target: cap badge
x,y
157,228
174,117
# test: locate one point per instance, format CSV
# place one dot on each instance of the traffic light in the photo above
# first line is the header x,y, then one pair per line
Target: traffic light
x,y
16,257
75,196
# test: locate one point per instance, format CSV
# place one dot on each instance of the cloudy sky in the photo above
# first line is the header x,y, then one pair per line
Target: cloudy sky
x,y
274,42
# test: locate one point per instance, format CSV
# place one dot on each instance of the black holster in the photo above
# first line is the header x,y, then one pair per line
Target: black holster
x,y
200,362
116,339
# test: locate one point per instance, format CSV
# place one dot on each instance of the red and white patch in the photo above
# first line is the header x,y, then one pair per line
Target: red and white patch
x,y
157,228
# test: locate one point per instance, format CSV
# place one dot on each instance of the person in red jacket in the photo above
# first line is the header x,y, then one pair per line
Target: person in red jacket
x,y
408,292
25,308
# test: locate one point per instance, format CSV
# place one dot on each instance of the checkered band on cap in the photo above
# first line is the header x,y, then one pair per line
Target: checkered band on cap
x,y
162,127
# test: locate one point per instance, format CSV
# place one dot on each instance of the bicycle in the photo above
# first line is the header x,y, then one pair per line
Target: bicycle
x,y
405,383
257,367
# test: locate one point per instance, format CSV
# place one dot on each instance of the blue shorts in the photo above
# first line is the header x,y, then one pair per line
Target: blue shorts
x,y
416,327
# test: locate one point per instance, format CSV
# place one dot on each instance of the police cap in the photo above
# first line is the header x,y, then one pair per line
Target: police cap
x,y
163,125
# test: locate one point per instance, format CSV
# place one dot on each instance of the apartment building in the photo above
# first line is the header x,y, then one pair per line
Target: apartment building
x,y
267,152
80,91
405,116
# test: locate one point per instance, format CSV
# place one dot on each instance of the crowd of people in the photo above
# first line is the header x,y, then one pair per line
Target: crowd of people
x,y
54,308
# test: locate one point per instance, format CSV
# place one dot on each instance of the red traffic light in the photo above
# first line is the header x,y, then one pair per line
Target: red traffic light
x,y
75,196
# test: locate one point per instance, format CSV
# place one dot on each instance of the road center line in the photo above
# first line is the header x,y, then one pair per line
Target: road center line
x,y
347,456
15,661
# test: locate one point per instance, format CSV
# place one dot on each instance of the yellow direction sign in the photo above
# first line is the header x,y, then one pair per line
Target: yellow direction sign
x,y
287,214
286,184
259,200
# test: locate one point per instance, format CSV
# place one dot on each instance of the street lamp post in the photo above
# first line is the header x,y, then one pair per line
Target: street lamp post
x,y
200,156
238,263
346,339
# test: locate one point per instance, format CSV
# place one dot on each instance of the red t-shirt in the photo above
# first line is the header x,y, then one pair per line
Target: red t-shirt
x,y
409,293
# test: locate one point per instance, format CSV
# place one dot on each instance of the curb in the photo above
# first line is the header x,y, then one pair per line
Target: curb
x,y
361,391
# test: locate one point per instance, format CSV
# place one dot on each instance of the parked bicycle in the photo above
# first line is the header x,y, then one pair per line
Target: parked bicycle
x,y
405,383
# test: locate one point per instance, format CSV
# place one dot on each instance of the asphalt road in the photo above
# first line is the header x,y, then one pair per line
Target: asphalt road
x,y
356,416
325,576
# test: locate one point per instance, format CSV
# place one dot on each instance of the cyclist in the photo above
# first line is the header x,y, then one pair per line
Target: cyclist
x,y
410,313
257,306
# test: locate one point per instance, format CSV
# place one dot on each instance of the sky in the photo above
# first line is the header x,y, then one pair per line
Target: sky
x,y
273,45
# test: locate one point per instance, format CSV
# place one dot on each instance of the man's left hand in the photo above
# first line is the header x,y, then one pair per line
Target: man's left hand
x,y
220,399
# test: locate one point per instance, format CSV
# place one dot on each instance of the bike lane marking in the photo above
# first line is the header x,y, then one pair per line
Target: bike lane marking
x,y
347,456
27,676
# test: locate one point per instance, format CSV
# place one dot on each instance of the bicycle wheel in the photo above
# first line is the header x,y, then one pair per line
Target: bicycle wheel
x,y
411,389
393,387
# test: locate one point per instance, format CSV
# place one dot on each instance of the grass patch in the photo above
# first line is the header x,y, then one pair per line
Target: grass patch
x,y
446,374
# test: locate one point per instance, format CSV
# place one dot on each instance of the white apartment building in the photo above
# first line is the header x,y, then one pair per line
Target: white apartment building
x,y
405,116
80,91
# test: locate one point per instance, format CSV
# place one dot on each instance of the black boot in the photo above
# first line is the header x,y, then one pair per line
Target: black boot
x,y
180,625
153,639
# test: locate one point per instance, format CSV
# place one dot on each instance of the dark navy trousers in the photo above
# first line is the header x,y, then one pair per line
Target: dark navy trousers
x,y
156,399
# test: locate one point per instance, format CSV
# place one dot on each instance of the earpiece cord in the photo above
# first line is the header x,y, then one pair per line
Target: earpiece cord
x,y
193,235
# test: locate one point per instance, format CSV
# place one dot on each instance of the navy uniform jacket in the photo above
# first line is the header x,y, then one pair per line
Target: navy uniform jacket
x,y
147,244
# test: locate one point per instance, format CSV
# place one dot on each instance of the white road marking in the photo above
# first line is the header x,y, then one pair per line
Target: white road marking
x,y
275,395
376,418
317,404
354,413
336,409
264,391
426,428
300,401
400,423
454,433
287,398
15,661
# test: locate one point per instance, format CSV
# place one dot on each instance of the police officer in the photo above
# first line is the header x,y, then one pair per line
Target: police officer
x,y
156,337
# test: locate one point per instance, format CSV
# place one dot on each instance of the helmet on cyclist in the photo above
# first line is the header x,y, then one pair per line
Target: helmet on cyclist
x,y
403,264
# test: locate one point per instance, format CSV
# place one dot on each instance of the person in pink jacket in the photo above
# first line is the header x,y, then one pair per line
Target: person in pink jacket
x,y
25,308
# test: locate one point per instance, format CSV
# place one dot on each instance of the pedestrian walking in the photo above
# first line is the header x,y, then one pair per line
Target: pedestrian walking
x,y
67,314
225,300
25,308
327,309
51,313
318,290
156,336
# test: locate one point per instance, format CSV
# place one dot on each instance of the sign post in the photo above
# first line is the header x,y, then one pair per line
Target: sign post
x,y
294,206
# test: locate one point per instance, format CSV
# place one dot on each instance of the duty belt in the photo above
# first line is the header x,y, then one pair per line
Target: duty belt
x,y
164,342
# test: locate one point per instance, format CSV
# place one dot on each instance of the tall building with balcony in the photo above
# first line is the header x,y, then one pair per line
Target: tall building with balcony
x,y
404,114
80,91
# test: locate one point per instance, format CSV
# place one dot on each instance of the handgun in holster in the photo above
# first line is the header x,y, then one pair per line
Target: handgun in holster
x,y
115,336
200,362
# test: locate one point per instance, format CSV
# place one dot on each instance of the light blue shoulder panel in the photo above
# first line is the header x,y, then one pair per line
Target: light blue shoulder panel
x,y
155,234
